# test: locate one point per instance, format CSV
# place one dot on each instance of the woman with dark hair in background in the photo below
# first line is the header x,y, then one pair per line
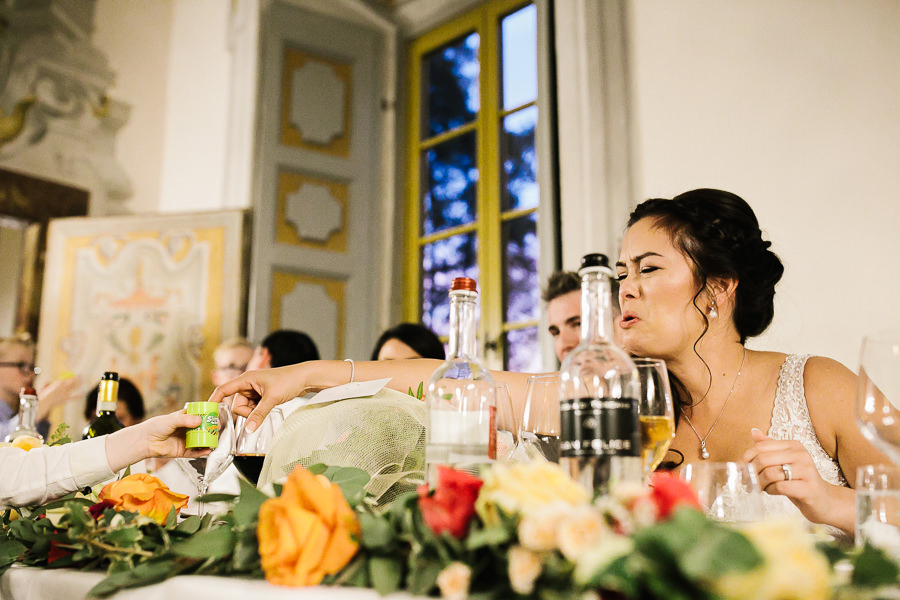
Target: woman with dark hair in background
x,y
408,340
697,280
283,347
130,408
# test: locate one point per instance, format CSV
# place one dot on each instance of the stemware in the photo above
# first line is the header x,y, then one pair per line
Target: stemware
x,y
878,392
204,470
728,491
655,411
539,432
251,447
507,428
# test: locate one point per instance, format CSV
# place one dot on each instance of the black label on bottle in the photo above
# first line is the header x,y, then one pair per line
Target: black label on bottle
x,y
599,427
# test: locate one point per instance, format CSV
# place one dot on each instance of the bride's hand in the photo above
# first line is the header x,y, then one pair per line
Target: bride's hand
x,y
785,468
258,392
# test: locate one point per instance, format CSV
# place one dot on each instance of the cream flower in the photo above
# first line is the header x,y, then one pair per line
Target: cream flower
x,y
792,568
579,530
522,488
454,581
524,569
538,528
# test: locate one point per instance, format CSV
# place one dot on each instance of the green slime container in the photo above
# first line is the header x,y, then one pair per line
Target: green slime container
x,y
206,435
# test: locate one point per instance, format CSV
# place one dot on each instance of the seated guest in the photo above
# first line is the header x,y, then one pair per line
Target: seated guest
x,y
697,280
17,370
408,340
283,347
563,298
130,408
231,358
48,472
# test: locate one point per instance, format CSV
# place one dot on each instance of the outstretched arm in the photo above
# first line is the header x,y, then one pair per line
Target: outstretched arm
x,y
259,391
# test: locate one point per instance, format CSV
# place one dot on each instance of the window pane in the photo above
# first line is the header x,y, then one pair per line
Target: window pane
x,y
452,87
521,290
519,49
522,350
520,187
451,177
442,261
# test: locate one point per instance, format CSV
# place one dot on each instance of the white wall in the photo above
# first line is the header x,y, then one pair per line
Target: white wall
x,y
172,66
795,106
135,37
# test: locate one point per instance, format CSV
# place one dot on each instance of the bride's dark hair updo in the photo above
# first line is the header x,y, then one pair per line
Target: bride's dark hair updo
x,y
720,234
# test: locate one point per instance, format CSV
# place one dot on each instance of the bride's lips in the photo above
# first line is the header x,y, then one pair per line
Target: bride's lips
x,y
628,319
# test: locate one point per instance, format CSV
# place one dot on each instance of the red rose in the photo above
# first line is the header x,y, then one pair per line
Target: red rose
x,y
57,552
669,492
451,506
99,508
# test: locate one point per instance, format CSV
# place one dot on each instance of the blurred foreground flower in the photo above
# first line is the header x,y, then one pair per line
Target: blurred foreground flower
x,y
526,487
451,506
144,494
307,532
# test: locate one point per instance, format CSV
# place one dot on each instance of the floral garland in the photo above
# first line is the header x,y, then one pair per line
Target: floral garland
x,y
522,531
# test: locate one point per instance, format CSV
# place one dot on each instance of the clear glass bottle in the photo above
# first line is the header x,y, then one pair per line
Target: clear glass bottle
x,y
107,400
27,424
461,395
600,438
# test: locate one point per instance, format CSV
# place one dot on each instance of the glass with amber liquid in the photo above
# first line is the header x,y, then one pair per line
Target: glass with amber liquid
x,y
655,411
107,400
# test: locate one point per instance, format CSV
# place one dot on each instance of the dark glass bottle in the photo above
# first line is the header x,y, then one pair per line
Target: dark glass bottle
x,y
600,438
28,402
107,399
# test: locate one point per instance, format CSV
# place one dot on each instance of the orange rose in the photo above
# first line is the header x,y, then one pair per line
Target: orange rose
x,y
307,532
144,494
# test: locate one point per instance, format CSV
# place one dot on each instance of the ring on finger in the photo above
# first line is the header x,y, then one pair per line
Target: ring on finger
x,y
786,469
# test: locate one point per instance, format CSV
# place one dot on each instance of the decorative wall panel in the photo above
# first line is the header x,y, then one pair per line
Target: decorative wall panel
x,y
314,305
312,212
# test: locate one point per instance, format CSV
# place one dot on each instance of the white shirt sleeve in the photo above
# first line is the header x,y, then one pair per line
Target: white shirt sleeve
x,y
48,472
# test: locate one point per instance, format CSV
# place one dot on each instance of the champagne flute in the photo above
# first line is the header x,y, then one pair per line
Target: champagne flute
x,y
251,447
878,392
728,491
507,429
655,412
539,432
204,470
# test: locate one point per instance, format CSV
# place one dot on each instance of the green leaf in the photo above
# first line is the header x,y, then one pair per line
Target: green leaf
x,y
874,568
246,552
246,510
377,531
123,536
385,573
143,574
189,526
423,576
317,469
491,536
211,543
351,480
10,552
205,498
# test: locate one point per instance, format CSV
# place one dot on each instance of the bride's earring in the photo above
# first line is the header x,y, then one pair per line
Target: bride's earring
x,y
713,313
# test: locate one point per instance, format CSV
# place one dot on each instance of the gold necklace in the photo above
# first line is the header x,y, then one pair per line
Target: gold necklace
x,y
704,453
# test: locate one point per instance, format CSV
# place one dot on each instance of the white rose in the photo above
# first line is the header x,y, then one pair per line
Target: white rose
x,y
580,529
538,528
524,569
454,581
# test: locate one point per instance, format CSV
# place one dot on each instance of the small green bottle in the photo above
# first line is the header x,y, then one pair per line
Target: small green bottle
x,y
107,399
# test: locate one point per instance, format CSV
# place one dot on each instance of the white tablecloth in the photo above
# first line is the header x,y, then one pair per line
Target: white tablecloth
x,y
27,583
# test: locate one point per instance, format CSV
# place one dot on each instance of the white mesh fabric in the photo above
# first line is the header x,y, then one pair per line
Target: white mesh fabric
x,y
383,434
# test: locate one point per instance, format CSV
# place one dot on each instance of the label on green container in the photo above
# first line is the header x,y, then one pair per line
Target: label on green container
x,y
206,435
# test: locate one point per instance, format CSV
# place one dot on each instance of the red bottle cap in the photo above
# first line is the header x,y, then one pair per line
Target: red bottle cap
x,y
464,283
27,391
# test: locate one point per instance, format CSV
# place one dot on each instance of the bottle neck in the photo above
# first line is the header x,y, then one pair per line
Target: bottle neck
x,y
462,324
108,396
596,308
28,405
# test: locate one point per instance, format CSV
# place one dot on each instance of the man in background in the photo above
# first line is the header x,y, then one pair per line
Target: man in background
x,y
563,298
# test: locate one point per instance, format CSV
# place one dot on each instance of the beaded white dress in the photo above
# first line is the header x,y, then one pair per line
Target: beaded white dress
x,y
791,421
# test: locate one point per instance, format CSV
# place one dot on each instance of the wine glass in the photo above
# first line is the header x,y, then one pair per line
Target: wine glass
x,y
204,470
878,392
539,432
655,411
728,491
507,428
251,447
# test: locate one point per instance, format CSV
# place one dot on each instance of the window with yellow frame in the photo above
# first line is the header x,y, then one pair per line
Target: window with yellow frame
x,y
473,191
